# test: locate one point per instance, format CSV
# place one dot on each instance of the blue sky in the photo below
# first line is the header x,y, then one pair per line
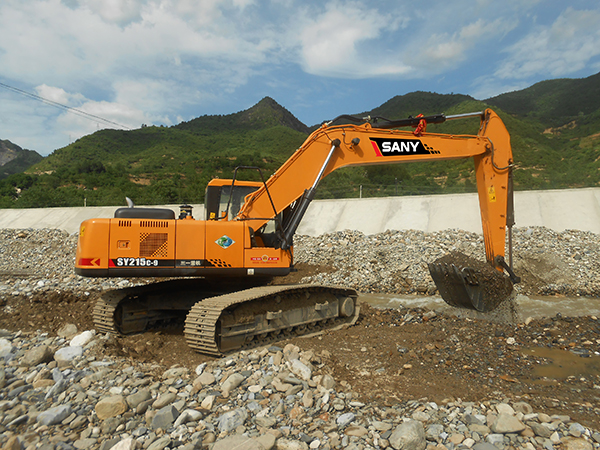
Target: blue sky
x,y
165,61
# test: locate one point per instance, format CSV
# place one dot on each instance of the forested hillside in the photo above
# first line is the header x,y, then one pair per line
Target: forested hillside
x,y
554,127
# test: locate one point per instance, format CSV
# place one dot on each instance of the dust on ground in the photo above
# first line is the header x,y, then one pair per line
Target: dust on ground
x,y
390,355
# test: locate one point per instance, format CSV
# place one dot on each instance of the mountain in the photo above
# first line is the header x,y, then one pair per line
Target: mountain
x,y
418,102
554,127
13,159
265,114
159,164
553,103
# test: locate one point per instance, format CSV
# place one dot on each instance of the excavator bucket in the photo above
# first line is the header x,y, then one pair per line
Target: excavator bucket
x,y
465,282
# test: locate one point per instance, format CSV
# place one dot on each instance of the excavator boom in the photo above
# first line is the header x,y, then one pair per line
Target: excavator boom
x,y
330,148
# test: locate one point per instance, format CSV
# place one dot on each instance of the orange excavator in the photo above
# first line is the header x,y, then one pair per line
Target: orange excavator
x,y
222,265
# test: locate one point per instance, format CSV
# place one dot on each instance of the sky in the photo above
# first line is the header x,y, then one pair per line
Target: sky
x,y
71,67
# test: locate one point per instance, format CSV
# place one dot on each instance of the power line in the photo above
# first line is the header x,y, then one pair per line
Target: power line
x,y
60,105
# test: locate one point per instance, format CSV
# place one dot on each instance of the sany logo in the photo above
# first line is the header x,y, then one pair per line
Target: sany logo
x,y
399,147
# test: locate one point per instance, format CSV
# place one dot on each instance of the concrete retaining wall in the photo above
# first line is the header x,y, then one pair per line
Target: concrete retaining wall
x,y
557,209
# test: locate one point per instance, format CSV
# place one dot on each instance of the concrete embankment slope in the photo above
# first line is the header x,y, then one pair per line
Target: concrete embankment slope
x,y
556,209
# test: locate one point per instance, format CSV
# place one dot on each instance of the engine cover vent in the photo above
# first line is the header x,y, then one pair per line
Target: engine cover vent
x,y
154,224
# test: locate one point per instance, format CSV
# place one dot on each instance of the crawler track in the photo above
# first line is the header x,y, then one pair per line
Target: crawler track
x,y
221,319
260,315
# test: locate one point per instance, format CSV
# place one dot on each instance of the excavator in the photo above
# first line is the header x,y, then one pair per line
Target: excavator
x,y
219,269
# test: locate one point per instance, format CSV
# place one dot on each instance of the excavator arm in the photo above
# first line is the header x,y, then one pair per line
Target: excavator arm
x,y
460,282
332,147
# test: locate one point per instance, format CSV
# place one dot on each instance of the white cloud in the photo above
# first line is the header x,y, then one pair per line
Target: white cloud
x,y
557,50
341,40
77,125
121,12
161,61
447,50
58,95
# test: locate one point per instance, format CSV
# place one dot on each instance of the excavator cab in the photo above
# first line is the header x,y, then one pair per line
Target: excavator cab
x,y
224,199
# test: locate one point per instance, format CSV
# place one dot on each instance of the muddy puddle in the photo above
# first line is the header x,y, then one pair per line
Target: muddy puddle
x,y
562,364
520,309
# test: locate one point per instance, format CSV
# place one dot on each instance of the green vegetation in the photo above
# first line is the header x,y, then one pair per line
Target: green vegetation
x,y
554,127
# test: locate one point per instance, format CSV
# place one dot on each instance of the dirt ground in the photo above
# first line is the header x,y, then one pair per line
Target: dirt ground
x,y
394,355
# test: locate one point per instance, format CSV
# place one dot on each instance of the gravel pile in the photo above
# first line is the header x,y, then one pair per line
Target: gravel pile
x,y
61,393
42,260
549,262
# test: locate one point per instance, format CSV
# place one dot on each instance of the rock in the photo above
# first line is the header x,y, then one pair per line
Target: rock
x,y
200,368
308,399
233,381
37,355
504,408
125,444
164,417
82,444
409,435
238,442
301,370
506,423
193,414
576,430
111,407
474,419
421,416
56,389
266,440
433,431
67,354
481,429
469,443
164,400
6,348
208,402
134,400
484,446
523,407
82,339
54,415
327,382
281,387
456,438
232,419
288,444
13,443
175,372
265,421
384,426
576,444
345,420
67,331
160,444
496,440
205,379
540,429
356,431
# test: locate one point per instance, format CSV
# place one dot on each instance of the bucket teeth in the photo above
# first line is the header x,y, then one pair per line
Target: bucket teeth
x,y
465,287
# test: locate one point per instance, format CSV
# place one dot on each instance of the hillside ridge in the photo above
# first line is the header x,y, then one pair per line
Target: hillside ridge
x,y
554,127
